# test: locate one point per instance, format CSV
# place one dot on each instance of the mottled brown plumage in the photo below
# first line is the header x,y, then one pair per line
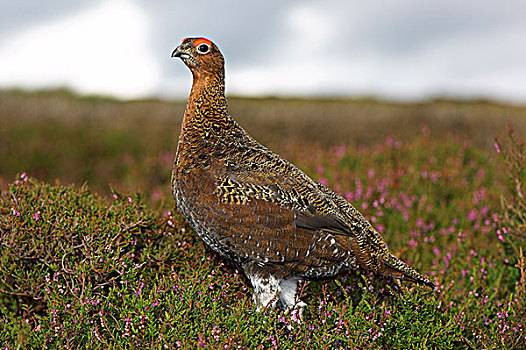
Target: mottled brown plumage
x,y
255,208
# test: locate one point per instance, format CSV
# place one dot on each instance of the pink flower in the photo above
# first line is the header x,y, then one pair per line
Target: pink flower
x,y
339,151
472,215
497,147
434,176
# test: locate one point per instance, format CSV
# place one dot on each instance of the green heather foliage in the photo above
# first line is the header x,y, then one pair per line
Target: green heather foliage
x,y
118,271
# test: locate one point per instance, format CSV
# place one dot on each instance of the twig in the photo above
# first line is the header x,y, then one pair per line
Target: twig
x,y
521,266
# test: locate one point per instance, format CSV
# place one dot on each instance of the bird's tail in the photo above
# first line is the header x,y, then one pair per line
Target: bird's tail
x,y
378,258
394,267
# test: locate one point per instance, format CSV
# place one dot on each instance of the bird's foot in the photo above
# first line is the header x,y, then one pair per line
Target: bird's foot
x,y
296,313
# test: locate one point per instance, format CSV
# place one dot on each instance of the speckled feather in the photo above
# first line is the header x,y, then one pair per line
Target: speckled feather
x,y
252,206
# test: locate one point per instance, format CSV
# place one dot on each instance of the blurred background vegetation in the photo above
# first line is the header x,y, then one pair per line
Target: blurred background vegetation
x,y
57,135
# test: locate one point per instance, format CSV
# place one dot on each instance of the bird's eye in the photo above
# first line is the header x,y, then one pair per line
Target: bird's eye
x,y
203,49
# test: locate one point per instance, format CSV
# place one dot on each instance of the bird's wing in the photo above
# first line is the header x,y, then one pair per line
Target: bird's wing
x,y
313,215
247,221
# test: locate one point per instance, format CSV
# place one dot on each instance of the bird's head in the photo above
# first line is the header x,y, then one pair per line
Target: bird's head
x,y
200,55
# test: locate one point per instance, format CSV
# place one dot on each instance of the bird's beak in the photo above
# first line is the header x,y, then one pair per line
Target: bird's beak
x,y
177,53
182,53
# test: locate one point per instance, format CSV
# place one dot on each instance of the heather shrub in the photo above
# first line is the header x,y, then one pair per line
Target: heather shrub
x,y
67,254
81,270
512,219
116,269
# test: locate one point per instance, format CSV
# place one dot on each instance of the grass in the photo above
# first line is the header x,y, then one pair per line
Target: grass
x,y
103,266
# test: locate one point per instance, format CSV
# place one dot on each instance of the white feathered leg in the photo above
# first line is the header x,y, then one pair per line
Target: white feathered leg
x,y
287,296
265,291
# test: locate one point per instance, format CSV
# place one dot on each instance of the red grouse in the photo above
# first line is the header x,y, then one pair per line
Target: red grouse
x,y
255,208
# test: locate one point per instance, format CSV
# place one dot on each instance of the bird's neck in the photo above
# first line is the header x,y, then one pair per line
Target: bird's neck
x,y
206,116
207,101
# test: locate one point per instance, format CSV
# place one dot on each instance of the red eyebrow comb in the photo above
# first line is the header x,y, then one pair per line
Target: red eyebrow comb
x,y
200,41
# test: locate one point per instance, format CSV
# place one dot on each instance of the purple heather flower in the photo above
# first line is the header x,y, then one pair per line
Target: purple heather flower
x,y
500,236
339,151
436,250
434,176
497,147
472,215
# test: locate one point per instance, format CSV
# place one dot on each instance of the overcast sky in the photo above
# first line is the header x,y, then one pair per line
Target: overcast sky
x,y
399,49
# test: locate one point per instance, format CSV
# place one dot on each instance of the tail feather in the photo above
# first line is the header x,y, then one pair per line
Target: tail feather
x,y
378,259
404,272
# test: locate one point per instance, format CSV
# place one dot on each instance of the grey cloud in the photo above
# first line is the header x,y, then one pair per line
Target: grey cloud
x,y
407,26
23,14
246,30
375,46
